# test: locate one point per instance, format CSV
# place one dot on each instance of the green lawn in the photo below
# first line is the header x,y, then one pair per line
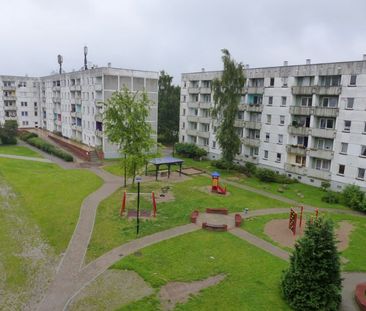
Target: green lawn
x,y
51,196
252,275
19,150
355,252
111,230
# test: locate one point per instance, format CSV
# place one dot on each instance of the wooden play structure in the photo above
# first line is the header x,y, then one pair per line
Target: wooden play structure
x,y
215,187
131,213
293,218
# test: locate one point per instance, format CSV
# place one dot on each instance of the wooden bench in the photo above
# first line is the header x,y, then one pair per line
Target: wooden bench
x,y
194,216
211,227
360,296
238,220
222,211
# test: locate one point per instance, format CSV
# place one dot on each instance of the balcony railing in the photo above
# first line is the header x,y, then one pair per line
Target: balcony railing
x,y
204,119
75,87
9,88
12,107
253,125
299,150
324,133
239,123
329,90
326,112
10,117
99,103
321,153
319,174
205,105
251,142
99,133
9,97
98,117
205,90
247,158
300,110
192,132
295,168
193,105
205,134
303,90
255,90
192,118
193,90
98,87
254,107
302,131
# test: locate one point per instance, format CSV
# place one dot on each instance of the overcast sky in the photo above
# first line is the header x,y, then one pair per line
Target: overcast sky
x,y
175,35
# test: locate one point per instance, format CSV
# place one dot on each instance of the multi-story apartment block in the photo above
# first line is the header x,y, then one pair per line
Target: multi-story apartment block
x,y
72,103
307,121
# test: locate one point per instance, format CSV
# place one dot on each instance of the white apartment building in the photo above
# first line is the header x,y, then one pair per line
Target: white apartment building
x,y
307,121
72,103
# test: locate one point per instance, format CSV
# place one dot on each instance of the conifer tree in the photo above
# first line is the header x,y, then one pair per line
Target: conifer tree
x,y
313,280
227,92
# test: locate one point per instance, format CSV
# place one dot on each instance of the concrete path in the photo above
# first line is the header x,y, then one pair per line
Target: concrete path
x,y
17,157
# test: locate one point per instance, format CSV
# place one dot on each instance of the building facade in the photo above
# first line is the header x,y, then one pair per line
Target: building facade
x,y
71,104
306,121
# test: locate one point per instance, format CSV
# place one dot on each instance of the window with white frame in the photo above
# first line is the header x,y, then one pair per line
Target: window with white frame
x,y
361,173
267,137
364,128
282,120
269,119
329,102
283,100
326,123
347,126
306,101
350,102
321,164
270,100
363,151
280,139
213,144
352,80
341,169
344,148
265,155
278,157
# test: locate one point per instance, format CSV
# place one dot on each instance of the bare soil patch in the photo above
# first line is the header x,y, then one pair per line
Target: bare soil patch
x,y
277,230
191,171
179,292
112,289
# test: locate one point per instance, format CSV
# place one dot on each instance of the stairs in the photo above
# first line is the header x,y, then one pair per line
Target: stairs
x,y
93,156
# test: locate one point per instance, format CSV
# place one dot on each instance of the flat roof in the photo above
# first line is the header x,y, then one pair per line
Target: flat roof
x,y
165,160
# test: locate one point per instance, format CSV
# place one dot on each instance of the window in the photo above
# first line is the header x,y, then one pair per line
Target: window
x,y
344,148
323,144
282,120
278,157
183,125
271,81
330,102
25,122
330,80
215,129
25,113
350,102
254,151
283,100
184,112
347,126
341,169
363,151
353,80
184,98
306,101
284,81
241,115
321,164
36,113
280,139
213,144
265,156
361,173
35,104
267,137
270,100
22,84
269,119
364,128
326,124
183,138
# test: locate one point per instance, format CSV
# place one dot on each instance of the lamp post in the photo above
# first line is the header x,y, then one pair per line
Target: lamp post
x,y
85,61
138,180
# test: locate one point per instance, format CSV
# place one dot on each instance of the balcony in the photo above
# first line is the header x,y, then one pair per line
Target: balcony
x,y
251,142
193,90
9,88
76,127
324,133
239,123
295,168
242,107
98,87
329,90
247,158
99,133
56,88
10,117
326,112
9,97
304,90
10,108
58,122
56,99
192,132
321,153
296,149
253,125
192,118
205,105
205,90
193,105
302,131
203,134
99,103
255,90
204,119
73,114
319,174
75,87
300,110
98,117
254,107
78,114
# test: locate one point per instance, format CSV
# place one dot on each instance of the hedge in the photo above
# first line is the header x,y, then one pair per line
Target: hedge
x,y
190,150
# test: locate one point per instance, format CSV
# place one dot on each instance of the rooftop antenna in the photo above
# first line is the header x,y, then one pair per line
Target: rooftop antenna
x,y
85,60
60,60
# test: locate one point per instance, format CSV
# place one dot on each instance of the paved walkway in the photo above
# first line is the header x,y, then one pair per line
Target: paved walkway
x,y
11,156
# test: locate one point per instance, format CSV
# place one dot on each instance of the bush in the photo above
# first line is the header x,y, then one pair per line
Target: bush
x,y
51,149
266,175
325,185
27,135
8,132
190,150
354,197
330,197
223,165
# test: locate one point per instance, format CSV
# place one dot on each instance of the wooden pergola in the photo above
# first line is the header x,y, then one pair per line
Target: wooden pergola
x,y
169,161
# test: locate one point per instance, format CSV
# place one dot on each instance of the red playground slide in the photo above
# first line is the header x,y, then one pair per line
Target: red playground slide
x,y
221,190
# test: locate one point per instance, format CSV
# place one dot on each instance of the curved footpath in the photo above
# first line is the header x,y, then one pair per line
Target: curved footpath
x,y
72,276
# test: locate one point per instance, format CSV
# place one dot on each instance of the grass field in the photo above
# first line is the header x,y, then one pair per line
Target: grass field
x,y
50,196
355,252
111,230
19,150
252,275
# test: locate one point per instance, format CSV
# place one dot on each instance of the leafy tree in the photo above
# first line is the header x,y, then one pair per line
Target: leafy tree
x,y
126,124
168,110
354,198
226,95
8,132
313,280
